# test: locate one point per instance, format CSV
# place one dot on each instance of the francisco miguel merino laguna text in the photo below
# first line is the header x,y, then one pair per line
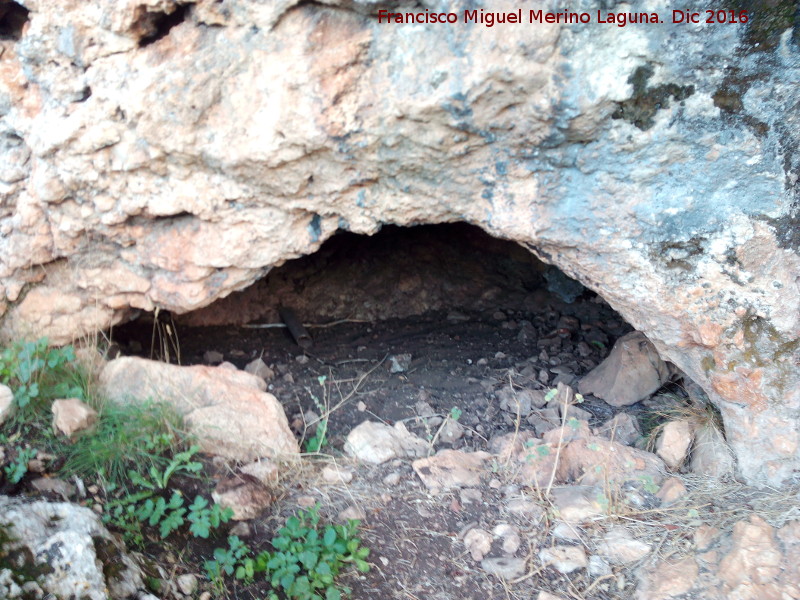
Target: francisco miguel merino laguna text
x,y
620,19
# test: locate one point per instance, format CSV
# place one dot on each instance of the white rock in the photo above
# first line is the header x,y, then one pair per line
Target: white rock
x,y
505,567
565,559
7,406
620,548
711,456
76,546
376,443
260,369
187,583
71,415
674,442
478,543
335,474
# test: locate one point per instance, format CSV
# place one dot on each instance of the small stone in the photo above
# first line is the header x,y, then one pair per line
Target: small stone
x,y
671,490
669,579
505,567
361,406
548,596
478,543
259,368
451,469
334,474
598,567
577,503
71,415
263,469
301,359
499,315
623,428
187,584
212,357
352,512
59,487
500,355
704,536
482,362
674,442
470,495
525,508
619,547
242,529
399,363
376,442
227,365
567,532
510,537
205,596
564,559
392,478
711,455
244,494
306,501
451,431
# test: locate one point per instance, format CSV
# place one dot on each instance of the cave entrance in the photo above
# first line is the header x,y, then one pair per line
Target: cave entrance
x,y
411,322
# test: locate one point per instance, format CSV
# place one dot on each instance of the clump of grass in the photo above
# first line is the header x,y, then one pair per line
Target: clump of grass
x,y
699,412
126,436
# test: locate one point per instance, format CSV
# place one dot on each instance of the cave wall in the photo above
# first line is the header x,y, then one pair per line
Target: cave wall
x,y
163,154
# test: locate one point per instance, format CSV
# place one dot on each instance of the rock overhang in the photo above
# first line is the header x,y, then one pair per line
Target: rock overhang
x,y
219,150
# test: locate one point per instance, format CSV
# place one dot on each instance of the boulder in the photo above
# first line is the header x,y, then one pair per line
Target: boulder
x,y
75,554
228,411
632,372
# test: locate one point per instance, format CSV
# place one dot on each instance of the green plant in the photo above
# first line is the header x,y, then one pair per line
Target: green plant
x,y
38,374
203,519
17,468
159,478
167,515
307,558
318,441
231,560
455,413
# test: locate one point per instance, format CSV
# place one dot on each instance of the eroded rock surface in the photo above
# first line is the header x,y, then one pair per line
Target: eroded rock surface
x,y
148,166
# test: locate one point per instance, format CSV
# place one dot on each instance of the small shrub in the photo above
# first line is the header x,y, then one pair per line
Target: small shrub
x,y
17,468
38,374
306,560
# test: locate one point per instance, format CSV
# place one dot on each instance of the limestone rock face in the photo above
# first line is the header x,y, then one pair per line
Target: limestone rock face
x,y
164,154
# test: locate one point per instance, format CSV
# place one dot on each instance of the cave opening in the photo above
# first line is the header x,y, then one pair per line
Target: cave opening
x,y
13,17
424,321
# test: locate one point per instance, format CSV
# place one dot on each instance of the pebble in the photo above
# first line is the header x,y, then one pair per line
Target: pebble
x,y
301,359
392,478
333,474
505,567
187,583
